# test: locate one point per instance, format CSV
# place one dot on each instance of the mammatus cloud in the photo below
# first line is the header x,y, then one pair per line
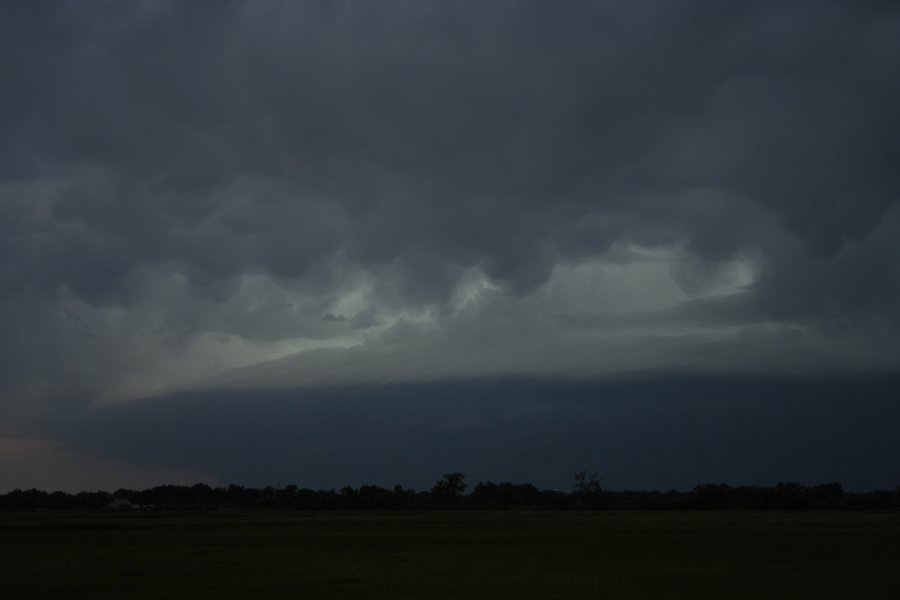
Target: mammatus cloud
x,y
277,194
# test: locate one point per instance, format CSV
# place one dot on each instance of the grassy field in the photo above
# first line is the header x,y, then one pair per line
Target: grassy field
x,y
450,555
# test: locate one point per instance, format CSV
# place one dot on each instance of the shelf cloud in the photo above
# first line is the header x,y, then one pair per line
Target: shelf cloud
x,y
274,195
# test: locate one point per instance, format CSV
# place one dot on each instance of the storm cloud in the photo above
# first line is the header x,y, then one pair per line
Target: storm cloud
x,y
257,195
661,431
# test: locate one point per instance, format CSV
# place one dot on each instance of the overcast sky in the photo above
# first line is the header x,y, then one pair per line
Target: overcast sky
x,y
448,231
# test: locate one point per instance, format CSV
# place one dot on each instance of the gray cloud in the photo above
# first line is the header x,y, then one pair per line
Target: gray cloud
x,y
189,188
658,432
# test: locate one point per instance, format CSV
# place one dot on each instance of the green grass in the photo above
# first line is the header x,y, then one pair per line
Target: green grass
x,y
450,555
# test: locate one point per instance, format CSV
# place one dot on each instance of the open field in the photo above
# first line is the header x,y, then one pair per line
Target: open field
x,y
450,554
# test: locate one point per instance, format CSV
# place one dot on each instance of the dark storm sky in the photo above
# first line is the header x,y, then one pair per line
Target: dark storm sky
x,y
350,242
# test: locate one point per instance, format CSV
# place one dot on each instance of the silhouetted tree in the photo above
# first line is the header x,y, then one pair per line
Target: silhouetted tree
x,y
712,496
587,483
588,490
789,495
448,490
484,494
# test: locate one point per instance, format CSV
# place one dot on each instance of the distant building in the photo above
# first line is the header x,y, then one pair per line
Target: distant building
x,y
120,504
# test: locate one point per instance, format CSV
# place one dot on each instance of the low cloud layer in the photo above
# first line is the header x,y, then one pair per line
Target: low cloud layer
x,y
655,432
226,195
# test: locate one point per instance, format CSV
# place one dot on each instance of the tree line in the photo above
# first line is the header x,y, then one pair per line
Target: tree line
x,y
449,492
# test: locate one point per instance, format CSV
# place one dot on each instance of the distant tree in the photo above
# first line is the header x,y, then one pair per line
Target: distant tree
x,y
402,497
374,496
825,495
93,499
587,483
712,496
877,500
484,494
587,488
517,494
58,500
789,495
448,490
200,493
287,495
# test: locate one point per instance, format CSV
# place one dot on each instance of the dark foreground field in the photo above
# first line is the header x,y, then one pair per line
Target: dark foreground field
x,y
450,555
